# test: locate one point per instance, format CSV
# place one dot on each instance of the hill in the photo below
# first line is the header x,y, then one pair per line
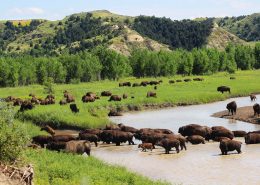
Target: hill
x,y
84,31
245,27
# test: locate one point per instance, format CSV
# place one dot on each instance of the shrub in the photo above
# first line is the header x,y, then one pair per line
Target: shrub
x,y
12,135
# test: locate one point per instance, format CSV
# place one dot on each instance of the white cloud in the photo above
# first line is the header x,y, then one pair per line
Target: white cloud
x,y
27,11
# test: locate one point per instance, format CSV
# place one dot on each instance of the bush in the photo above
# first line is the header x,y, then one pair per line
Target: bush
x,y
12,135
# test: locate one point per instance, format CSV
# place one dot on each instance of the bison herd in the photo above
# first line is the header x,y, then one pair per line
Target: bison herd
x,y
150,138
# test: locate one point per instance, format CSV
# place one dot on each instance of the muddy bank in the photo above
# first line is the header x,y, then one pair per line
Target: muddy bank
x,y
245,114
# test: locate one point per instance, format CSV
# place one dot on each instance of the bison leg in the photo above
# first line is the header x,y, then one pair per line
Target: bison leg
x,y
238,150
118,144
88,152
177,149
96,144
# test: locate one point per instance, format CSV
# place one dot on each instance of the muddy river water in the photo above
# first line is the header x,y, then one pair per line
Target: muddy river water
x,y
200,164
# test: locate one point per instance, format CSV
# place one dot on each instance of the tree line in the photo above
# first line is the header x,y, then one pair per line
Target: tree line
x,y
102,63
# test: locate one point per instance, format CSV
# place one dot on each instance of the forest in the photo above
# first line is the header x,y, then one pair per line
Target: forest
x,y
102,63
186,34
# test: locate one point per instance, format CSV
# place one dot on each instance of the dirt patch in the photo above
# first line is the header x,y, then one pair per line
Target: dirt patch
x,y
245,114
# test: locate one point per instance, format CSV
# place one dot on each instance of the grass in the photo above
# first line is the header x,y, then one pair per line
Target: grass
x,y
52,168
94,114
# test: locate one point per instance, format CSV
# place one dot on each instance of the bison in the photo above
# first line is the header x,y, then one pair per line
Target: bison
x,y
146,146
195,139
194,129
230,145
151,94
219,131
168,144
256,108
48,129
57,146
223,89
252,138
239,133
171,81
232,107
78,147
106,93
252,97
89,137
74,108
41,140
115,98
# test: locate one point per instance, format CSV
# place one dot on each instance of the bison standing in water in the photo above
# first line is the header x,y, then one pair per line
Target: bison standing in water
x,y
252,97
256,108
252,138
145,146
223,89
230,145
194,129
232,107
78,147
195,139
168,144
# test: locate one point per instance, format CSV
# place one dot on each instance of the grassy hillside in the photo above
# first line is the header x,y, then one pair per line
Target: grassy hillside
x,y
121,34
245,27
220,38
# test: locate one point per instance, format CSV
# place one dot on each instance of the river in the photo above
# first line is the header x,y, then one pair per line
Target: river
x,y
200,164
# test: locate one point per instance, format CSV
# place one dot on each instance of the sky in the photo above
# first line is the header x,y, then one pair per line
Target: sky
x,y
174,9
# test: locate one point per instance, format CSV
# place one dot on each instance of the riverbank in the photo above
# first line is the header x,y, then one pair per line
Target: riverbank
x,y
245,114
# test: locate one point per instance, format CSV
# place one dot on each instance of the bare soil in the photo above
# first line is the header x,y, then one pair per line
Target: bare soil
x,y
245,114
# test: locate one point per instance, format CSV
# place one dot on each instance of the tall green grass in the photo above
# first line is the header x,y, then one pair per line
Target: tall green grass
x,y
52,168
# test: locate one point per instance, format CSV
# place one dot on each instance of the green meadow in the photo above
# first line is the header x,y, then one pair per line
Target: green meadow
x,y
93,115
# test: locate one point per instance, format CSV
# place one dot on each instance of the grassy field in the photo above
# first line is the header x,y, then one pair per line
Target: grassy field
x,y
52,168
95,114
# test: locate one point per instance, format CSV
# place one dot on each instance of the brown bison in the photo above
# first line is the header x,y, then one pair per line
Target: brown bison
x,y
151,94
26,105
9,99
127,128
178,80
232,107
89,137
63,102
69,98
136,85
187,80
144,83
146,146
78,147
114,113
252,97
115,98
252,138
41,140
168,144
198,79
50,96
239,133
125,84
48,129
74,108
154,83
223,89
125,96
171,81
106,93
232,78
56,146
17,102
195,139
194,129
86,99
178,137
64,138
116,136
256,108
219,131
230,145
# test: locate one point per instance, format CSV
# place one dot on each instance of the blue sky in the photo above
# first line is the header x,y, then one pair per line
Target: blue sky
x,y
175,9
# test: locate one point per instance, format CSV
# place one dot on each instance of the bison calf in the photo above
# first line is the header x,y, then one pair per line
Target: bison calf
x,y
145,146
